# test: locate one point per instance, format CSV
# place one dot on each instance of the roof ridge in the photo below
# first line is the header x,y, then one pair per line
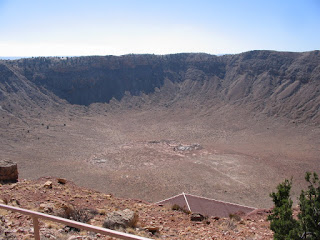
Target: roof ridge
x,y
235,204
168,198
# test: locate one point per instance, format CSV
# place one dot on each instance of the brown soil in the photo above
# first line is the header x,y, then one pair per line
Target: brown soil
x,y
132,153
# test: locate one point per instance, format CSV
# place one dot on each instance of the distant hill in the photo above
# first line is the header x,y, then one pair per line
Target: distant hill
x,y
11,58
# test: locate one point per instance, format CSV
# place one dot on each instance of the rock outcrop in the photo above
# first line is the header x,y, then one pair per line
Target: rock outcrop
x,y
8,171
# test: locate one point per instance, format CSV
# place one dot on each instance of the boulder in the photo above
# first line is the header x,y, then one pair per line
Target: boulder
x,y
62,181
120,219
197,217
8,171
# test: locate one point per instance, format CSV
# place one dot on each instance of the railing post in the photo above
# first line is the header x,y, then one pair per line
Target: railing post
x,y
36,228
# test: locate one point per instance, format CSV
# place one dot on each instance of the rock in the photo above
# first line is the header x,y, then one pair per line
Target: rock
x,y
14,202
62,181
188,147
47,184
152,229
75,237
13,186
120,219
8,171
46,207
197,217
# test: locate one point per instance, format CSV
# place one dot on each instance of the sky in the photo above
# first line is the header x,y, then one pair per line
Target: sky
x,y
105,27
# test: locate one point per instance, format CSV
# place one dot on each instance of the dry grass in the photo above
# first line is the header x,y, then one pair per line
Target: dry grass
x,y
235,216
77,214
176,207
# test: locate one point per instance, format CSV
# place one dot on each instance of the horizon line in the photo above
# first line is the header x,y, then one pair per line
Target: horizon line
x,y
119,55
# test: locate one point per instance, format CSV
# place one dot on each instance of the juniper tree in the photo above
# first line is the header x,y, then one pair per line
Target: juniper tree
x,y
281,218
309,215
282,222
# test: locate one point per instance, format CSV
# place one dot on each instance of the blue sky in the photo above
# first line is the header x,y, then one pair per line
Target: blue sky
x,y
93,27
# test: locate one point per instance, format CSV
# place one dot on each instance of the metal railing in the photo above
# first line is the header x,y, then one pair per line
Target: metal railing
x,y
36,215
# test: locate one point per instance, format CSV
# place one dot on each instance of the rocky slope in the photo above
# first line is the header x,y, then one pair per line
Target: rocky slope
x,y
154,222
274,83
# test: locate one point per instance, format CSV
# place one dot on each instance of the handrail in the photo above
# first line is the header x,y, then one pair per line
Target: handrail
x,y
84,226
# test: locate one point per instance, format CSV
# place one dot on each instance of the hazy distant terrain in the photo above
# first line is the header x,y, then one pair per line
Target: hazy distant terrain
x,y
11,58
146,126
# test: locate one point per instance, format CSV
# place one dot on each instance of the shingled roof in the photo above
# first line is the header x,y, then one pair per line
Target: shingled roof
x,y
206,206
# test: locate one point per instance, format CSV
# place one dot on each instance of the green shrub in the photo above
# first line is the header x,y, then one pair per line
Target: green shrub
x,y
307,226
281,219
309,215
